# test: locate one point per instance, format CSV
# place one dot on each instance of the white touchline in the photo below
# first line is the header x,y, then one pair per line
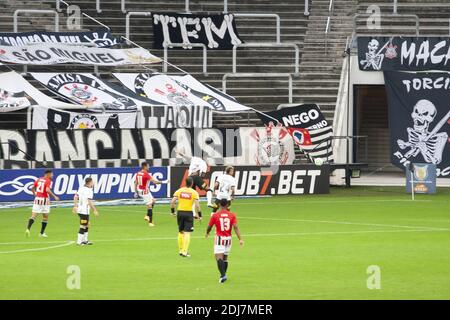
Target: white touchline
x,y
287,234
67,243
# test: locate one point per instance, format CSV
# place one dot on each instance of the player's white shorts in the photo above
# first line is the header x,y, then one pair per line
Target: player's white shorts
x,y
222,245
146,196
41,205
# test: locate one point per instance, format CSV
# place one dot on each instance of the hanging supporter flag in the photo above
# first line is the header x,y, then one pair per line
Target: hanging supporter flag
x,y
310,130
403,53
17,93
159,117
179,91
216,31
48,118
48,53
90,91
419,119
101,38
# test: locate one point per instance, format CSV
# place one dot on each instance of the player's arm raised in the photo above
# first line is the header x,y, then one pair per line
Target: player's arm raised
x,y
75,203
50,192
91,204
156,181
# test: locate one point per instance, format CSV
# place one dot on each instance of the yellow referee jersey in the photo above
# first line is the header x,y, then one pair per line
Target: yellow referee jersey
x,y
186,197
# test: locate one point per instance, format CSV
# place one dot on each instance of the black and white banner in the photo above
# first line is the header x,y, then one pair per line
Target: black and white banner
x,y
159,117
403,53
48,118
216,31
17,93
102,148
90,91
262,181
97,38
310,130
179,91
48,53
419,119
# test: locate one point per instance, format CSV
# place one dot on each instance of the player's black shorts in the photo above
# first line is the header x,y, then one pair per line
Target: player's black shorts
x,y
84,219
198,182
185,221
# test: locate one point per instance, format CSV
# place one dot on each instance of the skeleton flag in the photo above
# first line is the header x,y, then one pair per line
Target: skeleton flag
x,y
403,53
308,127
419,119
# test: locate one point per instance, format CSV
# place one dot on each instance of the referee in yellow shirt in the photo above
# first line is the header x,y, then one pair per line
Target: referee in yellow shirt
x,y
187,198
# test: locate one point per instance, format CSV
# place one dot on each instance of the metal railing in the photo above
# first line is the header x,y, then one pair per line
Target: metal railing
x,y
186,6
265,15
183,45
258,75
265,45
127,21
328,26
19,11
396,16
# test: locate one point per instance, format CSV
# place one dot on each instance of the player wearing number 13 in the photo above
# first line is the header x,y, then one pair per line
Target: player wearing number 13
x,y
224,221
42,191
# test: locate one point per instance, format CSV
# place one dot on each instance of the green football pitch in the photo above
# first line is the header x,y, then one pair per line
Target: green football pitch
x,y
359,243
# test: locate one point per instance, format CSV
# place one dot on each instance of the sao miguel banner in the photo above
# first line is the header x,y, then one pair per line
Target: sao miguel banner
x,y
419,119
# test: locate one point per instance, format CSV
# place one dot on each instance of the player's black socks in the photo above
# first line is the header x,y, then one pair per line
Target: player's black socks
x,y
81,231
30,223
150,214
225,264
221,267
44,225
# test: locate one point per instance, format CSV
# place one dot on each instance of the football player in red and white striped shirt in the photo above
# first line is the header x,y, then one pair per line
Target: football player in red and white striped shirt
x,y
224,221
141,188
42,191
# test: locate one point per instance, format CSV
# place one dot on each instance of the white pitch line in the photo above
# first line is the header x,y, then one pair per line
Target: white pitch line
x,y
288,234
65,244
326,221
346,223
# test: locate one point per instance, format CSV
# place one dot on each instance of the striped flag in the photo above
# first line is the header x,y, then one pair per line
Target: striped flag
x,y
308,127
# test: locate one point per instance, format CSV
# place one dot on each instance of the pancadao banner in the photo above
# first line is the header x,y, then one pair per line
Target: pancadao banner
x,y
17,93
102,148
216,31
403,53
109,183
56,53
50,118
262,181
100,38
310,130
179,91
419,119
